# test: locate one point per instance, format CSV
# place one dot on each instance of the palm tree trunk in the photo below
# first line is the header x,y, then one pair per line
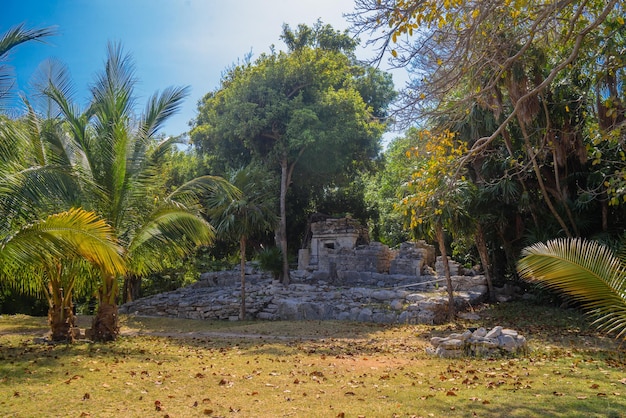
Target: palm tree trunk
x,y
105,325
132,288
61,316
60,310
242,253
446,269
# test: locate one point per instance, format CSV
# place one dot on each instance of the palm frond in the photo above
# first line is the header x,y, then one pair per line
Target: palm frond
x,y
36,189
170,233
74,233
10,39
51,73
160,107
203,187
584,271
19,34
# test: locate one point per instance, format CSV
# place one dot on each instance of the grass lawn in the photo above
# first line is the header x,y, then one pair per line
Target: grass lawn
x,y
184,368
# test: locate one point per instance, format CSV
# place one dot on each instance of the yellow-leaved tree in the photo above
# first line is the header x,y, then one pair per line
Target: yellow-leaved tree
x,y
435,197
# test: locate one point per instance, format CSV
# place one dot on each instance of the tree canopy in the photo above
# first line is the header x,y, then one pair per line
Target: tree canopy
x,y
296,110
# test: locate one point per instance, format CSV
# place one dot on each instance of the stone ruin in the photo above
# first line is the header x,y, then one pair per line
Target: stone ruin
x,y
341,275
479,343
339,251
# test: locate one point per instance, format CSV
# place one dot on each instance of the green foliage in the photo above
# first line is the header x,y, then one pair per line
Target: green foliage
x,y
383,187
298,112
14,301
270,260
584,271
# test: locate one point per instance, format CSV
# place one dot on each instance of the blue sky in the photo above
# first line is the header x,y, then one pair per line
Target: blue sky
x,y
172,42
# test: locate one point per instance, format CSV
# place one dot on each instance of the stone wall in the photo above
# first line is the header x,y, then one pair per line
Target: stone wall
x,y
411,258
375,258
217,296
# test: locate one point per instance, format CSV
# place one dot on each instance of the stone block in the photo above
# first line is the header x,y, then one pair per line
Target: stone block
x,y
396,304
480,332
365,315
495,332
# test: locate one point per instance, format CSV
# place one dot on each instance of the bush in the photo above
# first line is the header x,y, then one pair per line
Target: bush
x,y
271,260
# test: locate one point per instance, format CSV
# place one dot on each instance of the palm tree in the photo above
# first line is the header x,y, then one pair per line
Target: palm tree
x,y
44,256
117,160
53,254
239,218
584,271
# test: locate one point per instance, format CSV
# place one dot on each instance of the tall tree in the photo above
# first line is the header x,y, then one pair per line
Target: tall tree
x,y
528,86
240,218
435,199
295,110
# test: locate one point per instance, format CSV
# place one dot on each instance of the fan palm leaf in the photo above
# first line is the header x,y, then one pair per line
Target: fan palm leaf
x,y
584,271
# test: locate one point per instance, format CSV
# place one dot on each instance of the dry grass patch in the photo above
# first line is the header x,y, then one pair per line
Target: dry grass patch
x,y
311,369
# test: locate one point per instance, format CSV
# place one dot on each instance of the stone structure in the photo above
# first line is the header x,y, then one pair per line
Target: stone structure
x,y
340,247
411,258
217,296
479,343
341,276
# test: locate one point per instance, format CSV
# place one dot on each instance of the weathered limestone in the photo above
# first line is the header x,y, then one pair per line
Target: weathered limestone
x,y
341,247
411,258
479,343
341,276
217,296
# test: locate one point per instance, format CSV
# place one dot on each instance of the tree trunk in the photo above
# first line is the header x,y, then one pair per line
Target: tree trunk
x,y
105,325
61,317
483,252
242,253
282,227
132,288
446,269
542,187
